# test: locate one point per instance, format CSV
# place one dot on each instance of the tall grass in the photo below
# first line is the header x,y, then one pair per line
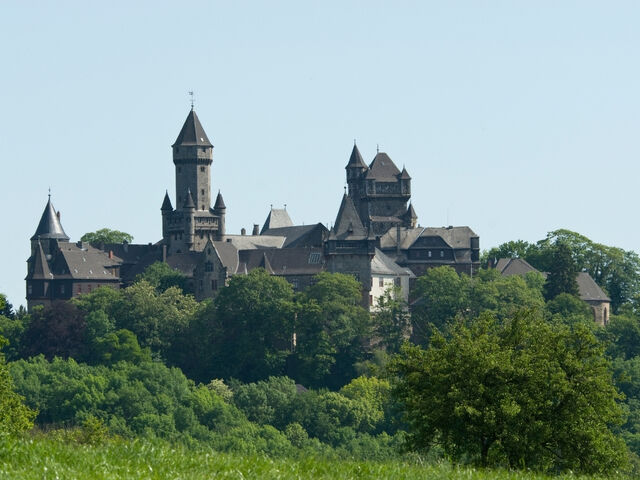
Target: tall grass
x,y
45,457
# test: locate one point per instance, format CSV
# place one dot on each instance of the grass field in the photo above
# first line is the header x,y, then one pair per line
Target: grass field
x,y
45,458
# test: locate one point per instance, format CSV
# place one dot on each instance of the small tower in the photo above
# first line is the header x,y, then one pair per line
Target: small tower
x,y
355,171
166,209
220,209
49,228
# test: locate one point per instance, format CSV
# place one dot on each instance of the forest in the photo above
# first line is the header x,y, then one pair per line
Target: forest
x,y
489,371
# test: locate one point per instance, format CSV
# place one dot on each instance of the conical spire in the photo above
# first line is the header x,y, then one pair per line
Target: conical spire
x,y
404,175
50,226
348,222
192,133
219,205
166,204
355,160
411,213
188,201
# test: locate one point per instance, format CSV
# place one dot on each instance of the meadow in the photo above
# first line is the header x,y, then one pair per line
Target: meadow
x,y
47,457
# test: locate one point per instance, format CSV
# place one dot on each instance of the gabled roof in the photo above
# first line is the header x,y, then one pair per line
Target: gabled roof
x,y
514,266
41,269
277,218
185,263
348,222
192,133
355,160
166,203
255,242
50,226
228,255
383,169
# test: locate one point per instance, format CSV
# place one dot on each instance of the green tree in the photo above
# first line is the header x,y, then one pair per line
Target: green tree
x,y
162,277
106,235
562,273
251,327
520,392
15,417
332,330
392,321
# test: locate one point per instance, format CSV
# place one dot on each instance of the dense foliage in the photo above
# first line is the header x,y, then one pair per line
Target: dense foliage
x,y
106,235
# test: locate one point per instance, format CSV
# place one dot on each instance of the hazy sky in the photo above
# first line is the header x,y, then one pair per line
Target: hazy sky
x,y
515,118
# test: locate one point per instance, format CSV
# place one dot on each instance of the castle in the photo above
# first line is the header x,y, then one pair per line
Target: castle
x,y
375,237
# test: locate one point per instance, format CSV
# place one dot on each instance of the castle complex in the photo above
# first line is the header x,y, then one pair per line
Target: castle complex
x,y
375,237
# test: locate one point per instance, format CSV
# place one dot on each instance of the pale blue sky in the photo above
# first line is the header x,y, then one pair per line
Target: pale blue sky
x,y
515,118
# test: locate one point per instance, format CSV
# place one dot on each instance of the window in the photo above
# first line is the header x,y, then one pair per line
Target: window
x,y
202,169
314,257
62,289
429,253
370,299
381,282
214,285
202,191
202,207
441,253
208,267
397,281
29,289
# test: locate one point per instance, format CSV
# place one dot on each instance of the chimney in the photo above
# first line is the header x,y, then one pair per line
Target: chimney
x,y
110,254
256,230
243,231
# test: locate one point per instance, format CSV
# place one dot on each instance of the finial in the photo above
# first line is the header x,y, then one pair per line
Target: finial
x,y
377,148
285,206
354,142
345,189
49,193
192,100
271,205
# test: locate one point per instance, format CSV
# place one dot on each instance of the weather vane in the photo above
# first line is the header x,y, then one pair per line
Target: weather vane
x,y
192,100
49,193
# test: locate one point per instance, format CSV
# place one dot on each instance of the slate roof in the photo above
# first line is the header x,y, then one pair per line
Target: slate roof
x,y
355,160
405,175
589,289
277,218
49,225
348,222
383,169
456,237
253,242
514,266
384,265
228,255
185,263
294,235
289,261
84,263
411,212
192,133
407,237
188,201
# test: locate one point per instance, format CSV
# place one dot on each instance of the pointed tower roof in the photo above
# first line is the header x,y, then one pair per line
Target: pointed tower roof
x,y
188,201
411,212
166,204
348,222
355,160
40,265
50,226
382,168
219,202
192,133
404,175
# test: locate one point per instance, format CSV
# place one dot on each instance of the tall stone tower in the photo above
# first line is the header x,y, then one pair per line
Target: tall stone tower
x,y
380,193
193,222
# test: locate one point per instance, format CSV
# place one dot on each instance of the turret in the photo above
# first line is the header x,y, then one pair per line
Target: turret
x,y
355,169
166,209
49,228
220,209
